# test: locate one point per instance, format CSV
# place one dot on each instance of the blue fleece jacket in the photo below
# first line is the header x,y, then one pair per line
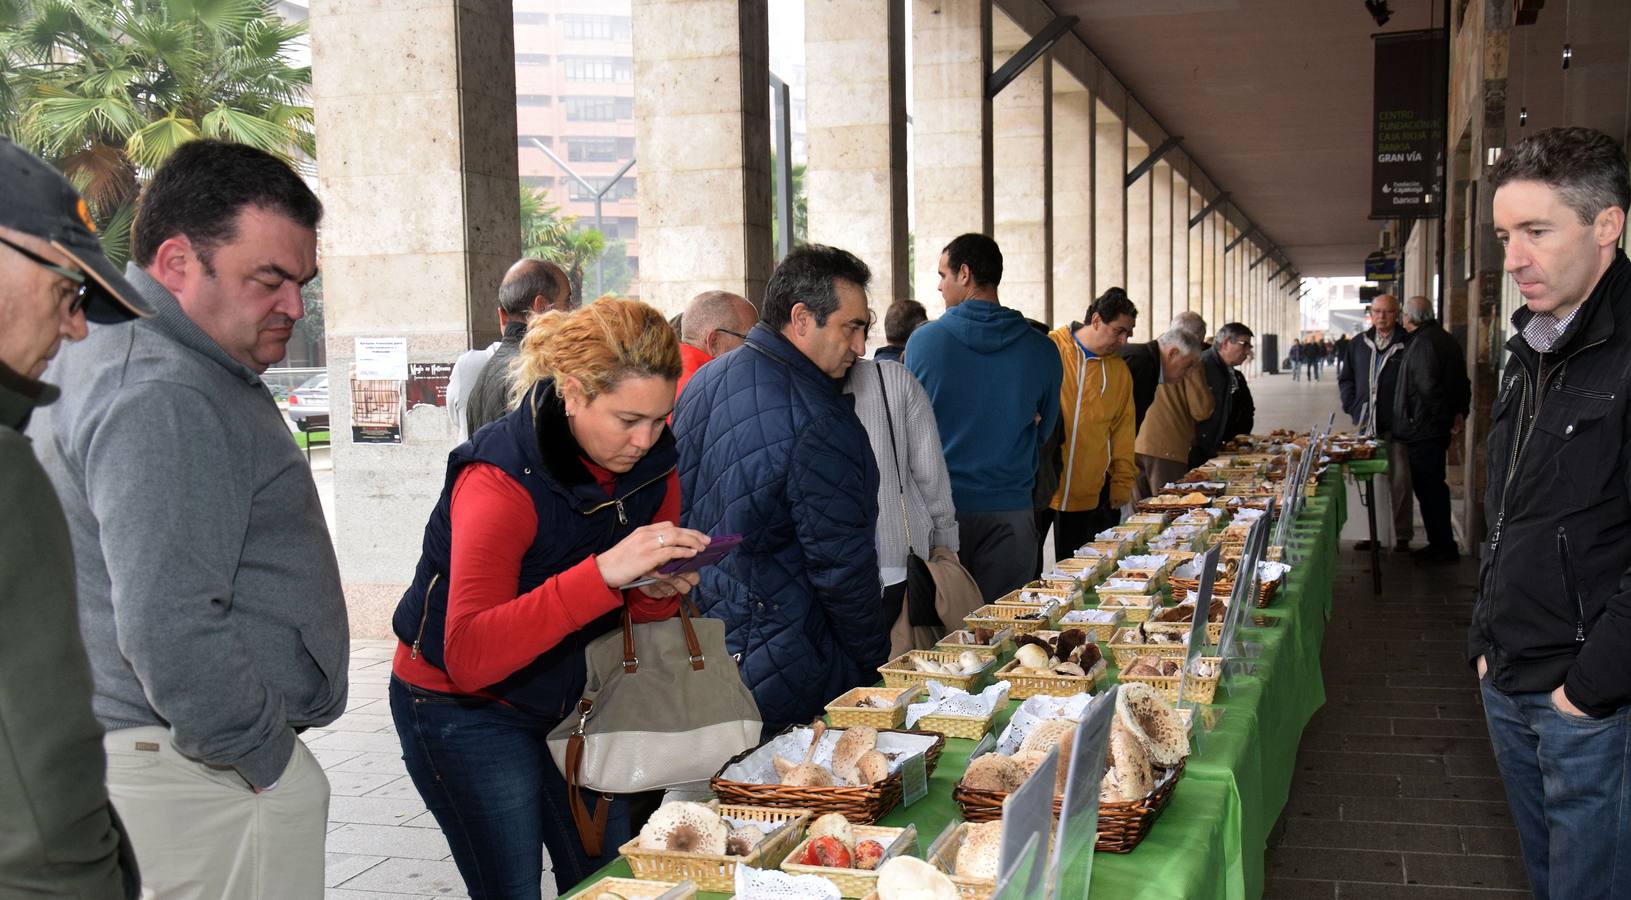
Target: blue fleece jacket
x,y
989,375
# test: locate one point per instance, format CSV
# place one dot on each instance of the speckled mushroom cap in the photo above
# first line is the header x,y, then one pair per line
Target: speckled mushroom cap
x,y
1157,726
910,878
685,827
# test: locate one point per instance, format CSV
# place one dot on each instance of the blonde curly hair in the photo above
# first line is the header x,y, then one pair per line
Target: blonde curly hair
x,y
599,345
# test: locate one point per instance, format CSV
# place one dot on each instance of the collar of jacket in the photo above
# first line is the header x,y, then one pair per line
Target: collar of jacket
x,y
773,344
513,333
1400,337
1594,322
20,396
560,456
173,321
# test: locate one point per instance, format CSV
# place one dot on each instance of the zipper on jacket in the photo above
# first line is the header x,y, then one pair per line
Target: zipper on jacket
x,y
622,515
424,616
1571,584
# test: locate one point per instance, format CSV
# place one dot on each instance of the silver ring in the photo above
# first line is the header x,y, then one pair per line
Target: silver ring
x,y
661,542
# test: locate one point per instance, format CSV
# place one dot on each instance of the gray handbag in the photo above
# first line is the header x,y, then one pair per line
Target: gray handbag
x,y
664,706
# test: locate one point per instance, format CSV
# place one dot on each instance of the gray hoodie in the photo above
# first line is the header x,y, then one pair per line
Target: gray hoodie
x,y
209,596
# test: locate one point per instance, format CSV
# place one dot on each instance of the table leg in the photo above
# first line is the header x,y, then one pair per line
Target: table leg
x,y
1375,547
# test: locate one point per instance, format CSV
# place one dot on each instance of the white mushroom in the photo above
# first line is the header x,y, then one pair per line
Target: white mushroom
x,y
852,744
872,767
910,878
978,856
1031,656
1047,733
1157,726
685,827
969,662
833,825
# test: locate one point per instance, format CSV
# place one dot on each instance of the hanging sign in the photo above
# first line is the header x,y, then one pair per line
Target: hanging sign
x,y
1407,159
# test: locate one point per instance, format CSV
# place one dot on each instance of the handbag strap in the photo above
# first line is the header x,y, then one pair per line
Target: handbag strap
x,y
631,661
894,451
591,828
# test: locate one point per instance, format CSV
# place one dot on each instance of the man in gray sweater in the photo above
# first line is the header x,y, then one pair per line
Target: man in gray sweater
x,y
59,837
209,597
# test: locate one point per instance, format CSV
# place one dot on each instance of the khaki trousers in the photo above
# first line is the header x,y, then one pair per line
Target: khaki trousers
x,y
201,833
1155,473
1399,490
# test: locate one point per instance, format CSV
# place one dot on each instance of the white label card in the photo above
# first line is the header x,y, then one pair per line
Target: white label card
x,y
914,779
1027,818
1078,833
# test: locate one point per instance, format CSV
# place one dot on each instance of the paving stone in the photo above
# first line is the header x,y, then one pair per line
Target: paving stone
x,y
363,722
1299,889
1362,891
1426,812
437,878
328,759
1382,763
1372,836
400,788
373,810
1463,871
1495,841
1321,863
337,867
1346,784
362,742
356,784
388,840
370,762
1453,788
344,894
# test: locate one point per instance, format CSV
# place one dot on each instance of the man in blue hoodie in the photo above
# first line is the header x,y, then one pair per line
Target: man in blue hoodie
x,y
994,383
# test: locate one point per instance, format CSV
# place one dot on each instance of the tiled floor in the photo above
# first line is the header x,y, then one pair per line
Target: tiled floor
x,y
1396,794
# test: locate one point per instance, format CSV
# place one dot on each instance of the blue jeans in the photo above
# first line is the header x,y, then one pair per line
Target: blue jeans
x,y
485,773
1567,782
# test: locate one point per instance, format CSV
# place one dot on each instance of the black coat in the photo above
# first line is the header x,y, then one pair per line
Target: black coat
x,y
1144,361
1224,384
1353,383
1560,463
1433,388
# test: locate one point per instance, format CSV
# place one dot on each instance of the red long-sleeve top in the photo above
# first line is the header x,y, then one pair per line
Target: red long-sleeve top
x,y
491,632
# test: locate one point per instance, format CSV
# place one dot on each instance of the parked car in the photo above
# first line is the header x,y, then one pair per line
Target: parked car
x,y
308,404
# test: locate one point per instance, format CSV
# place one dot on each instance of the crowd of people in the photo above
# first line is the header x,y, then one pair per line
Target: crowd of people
x,y
179,609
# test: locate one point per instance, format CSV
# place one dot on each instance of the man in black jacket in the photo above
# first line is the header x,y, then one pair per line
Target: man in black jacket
x,y
1231,348
1429,409
1551,632
1367,384
1165,360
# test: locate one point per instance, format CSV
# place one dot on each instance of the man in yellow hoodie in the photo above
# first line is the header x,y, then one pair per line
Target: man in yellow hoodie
x,y
1096,407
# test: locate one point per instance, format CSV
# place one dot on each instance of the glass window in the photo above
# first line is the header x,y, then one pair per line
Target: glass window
x,y
592,149
599,69
596,28
524,141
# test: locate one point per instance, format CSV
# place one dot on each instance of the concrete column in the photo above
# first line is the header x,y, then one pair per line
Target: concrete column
x,y
951,132
1022,189
1197,256
1214,271
702,132
1181,294
1110,195
1073,190
436,125
1421,260
1139,240
1161,240
855,109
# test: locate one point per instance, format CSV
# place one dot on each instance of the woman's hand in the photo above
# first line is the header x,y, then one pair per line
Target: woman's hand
x,y
670,586
647,549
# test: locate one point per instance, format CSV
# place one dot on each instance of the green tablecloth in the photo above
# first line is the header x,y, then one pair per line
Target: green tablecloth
x,y
1210,840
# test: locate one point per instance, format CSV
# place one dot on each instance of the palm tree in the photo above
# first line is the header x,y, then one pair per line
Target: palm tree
x,y
549,234
108,89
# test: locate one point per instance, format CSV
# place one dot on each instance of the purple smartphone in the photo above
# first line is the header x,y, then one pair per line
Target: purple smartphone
x,y
713,553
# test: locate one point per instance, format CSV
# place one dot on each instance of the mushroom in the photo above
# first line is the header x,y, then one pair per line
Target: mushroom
x,y
833,825
1047,734
1070,641
806,773
854,742
1127,773
910,878
741,841
1070,668
1031,656
992,772
969,662
685,827
873,767
977,857
1157,726
1026,762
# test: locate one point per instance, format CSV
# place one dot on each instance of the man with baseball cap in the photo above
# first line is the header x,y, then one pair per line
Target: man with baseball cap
x,y
59,836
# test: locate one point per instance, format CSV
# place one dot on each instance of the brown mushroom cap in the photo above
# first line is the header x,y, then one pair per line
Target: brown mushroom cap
x,y
990,772
873,767
852,744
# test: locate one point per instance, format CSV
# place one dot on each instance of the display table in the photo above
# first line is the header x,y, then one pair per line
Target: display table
x,y
1210,840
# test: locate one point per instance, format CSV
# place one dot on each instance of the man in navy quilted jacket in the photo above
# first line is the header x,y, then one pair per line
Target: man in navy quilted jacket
x,y
770,448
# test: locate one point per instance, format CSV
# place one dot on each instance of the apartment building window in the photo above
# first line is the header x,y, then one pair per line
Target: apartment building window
x,y
599,69
531,18
598,109
596,28
593,149
525,141
532,59
543,182
533,99
623,191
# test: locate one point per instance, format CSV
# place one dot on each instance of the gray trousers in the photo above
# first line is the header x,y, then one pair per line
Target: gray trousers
x,y
1399,490
1155,473
998,549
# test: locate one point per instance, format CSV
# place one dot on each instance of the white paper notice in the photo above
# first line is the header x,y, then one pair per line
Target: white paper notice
x,y
382,359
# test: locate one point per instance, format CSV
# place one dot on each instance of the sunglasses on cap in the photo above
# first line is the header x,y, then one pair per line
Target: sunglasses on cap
x,y
75,305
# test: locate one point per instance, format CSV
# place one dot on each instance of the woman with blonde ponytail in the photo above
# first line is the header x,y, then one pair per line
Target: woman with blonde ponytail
x,y
543,515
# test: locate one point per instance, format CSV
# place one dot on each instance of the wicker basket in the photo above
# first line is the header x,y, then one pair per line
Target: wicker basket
x,y
1200,690
1098,631
1150,506
861,804
718,873
1223,589
1121,825
1022,687
847,711
1124,654
1130,613
944,855
1067,598
850,882
965,727
997,618
1001,648
631,888
900,672
1214,630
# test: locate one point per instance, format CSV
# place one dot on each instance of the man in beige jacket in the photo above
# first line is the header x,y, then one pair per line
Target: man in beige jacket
x,y
1168,432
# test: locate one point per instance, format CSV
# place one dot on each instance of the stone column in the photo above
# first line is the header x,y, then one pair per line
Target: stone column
x,y
418,174
1022,192
1140,268
1197,256
1073,185
951,133
1110,194
855,109
1161,240
702,132
1182,297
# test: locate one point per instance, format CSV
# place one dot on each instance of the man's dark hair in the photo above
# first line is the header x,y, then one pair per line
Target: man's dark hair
x,y
806,276
1584,165
516,292
199,191
980,253
1110,306
1236,331
901,319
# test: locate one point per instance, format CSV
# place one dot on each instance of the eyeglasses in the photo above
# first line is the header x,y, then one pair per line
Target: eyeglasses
x,y
77,303
734,334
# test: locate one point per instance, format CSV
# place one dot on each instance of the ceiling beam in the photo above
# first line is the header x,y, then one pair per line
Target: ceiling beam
x,y
1206,210
1030,53
1148,163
